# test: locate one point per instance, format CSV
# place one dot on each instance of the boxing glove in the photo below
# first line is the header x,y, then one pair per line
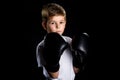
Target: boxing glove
x,y
53,47
80,50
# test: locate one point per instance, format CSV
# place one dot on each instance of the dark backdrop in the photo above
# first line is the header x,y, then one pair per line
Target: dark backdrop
x,y
88,16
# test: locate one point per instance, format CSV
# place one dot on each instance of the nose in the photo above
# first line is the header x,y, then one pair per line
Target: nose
x,y
57,26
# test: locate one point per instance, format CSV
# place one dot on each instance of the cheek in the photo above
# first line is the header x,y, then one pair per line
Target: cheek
x,y
50,29
63,27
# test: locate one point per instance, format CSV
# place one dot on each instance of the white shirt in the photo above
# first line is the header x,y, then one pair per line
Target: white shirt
x,y
66,71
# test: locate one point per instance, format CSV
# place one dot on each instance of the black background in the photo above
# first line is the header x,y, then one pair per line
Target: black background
x,y
94,17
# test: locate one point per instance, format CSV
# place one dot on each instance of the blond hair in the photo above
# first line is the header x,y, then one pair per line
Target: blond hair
x,y
52,9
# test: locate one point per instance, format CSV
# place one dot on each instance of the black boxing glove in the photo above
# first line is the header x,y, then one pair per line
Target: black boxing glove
x,y
54,45
80,50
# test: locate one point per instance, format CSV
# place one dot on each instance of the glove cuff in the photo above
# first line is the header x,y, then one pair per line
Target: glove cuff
x,y
53,68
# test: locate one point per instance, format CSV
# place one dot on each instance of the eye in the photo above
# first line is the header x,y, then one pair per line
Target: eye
x,y
52,22
61,22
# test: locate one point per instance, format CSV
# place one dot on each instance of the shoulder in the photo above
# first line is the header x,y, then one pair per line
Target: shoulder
x,y
67,39
40,43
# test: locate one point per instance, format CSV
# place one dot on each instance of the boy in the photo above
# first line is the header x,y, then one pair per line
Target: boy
x,y
54,20
54,53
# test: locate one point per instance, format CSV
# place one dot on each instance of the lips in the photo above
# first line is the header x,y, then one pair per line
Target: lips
x,y
59,32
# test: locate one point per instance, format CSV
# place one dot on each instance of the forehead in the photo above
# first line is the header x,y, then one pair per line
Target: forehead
x,y
57,18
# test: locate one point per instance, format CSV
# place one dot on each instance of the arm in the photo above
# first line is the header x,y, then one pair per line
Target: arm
x,y
40,73
54,75
39,50
53,47
80,51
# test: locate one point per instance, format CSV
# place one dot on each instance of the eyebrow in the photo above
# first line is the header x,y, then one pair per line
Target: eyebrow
x,y
55,21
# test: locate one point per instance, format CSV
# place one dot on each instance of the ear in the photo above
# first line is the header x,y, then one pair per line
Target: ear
x,y
44,24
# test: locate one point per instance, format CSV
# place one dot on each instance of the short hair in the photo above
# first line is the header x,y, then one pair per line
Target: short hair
x,y
52,9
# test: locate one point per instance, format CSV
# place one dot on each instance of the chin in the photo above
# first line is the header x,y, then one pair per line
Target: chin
x,y
59,33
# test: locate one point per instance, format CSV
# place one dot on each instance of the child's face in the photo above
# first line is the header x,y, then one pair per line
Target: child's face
x,y
56,24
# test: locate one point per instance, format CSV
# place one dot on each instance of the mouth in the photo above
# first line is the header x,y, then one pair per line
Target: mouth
x,y
59,32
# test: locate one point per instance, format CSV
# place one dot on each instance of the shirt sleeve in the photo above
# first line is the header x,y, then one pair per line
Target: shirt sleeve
x,y
67,39
38,54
